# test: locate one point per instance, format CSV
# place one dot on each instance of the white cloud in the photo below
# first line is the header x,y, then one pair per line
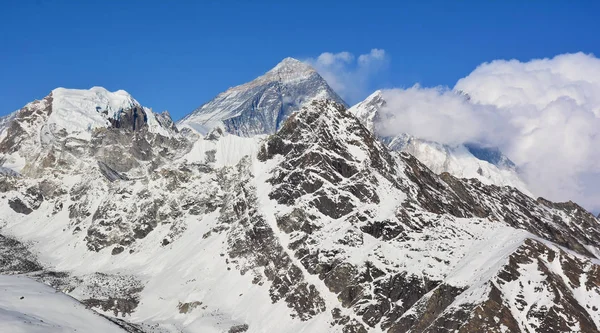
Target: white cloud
x,y
334,59
438,114
374,57
544,114
347,75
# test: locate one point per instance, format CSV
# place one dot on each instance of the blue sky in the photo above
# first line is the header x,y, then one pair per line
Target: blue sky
x,y
178,57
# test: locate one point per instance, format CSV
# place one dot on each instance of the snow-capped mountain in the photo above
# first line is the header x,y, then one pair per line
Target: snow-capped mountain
x,y
63,125
319,227
468,160
262,105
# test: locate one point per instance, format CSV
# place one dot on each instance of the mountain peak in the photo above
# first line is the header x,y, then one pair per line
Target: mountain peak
x,y
288,70
95,90
84,109
97,95
76,114
367,110
292,64
376,94
263,104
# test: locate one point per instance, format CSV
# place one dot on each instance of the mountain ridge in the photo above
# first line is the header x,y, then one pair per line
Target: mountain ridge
x,y
319,226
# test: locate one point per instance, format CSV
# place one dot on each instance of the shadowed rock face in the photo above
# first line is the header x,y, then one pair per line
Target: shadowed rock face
x,y
134,119
123,306
15,258
27,202
428,309
238,328
492,155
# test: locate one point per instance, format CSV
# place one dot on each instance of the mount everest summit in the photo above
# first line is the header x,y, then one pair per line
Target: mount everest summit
x,y
275,208
262,105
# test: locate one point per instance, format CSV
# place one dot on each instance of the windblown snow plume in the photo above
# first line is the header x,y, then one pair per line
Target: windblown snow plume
x,y
543,114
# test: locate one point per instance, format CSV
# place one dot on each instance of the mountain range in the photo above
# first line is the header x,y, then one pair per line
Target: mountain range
x,y
275,208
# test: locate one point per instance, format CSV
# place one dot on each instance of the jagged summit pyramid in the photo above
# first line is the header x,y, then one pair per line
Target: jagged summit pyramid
x,y
262,105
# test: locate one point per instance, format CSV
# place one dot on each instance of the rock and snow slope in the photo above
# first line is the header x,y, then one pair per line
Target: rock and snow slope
x,y
486,164
317,228
27,306
5,120
262,105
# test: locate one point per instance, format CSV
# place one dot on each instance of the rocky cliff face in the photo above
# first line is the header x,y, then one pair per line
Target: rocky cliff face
x,y
347,175
262,105
319,227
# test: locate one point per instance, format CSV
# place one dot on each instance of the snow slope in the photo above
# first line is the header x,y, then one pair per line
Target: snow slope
x,y
79,110
27,306
459,161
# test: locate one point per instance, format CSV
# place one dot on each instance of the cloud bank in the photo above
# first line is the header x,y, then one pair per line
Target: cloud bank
x,y
348,75
440,114
544,114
